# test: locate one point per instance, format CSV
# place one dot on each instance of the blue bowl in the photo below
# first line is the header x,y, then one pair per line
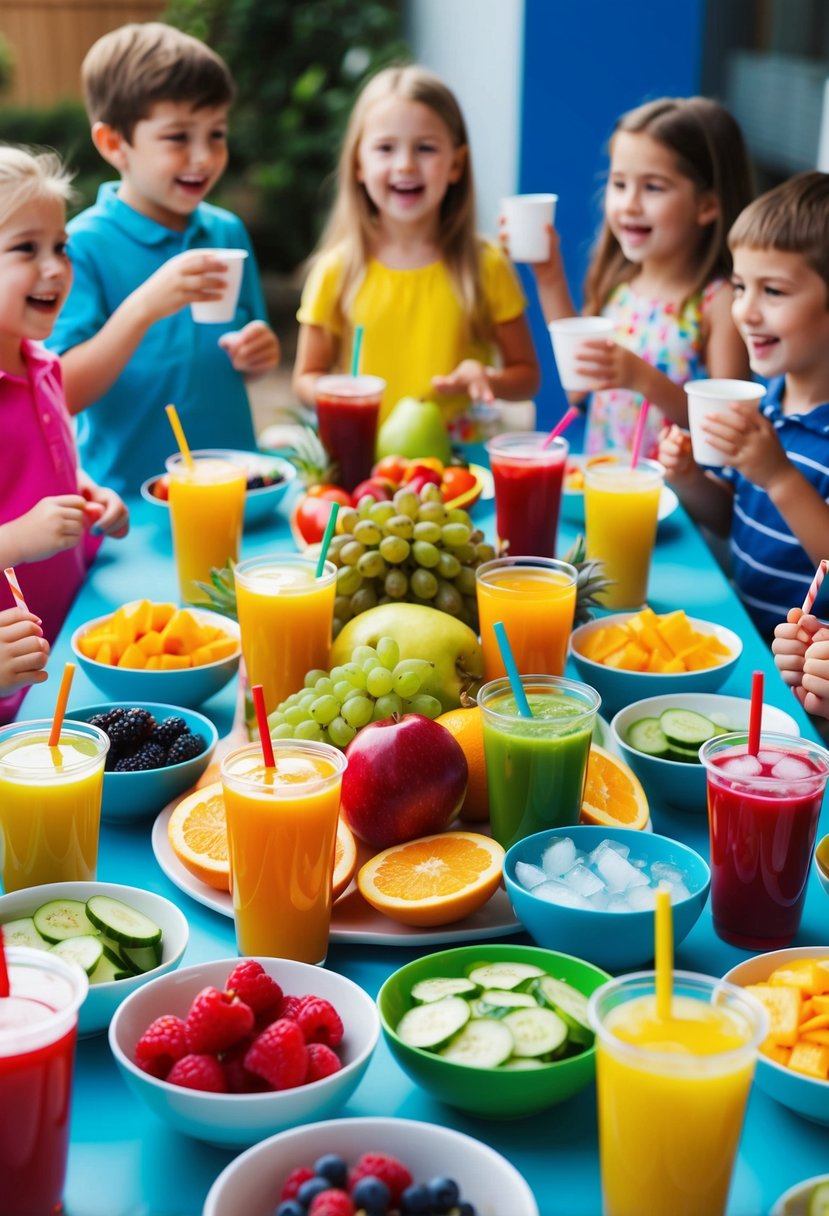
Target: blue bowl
x,y
259,504
129,796
615,941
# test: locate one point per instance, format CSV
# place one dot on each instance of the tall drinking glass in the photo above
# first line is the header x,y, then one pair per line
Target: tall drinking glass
x,y
207,506
348,410
621,509
535,598
528,477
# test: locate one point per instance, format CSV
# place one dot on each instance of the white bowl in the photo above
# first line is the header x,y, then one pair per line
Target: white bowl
x,y
795,1201
259,504
237,1120
102,1000
250,1185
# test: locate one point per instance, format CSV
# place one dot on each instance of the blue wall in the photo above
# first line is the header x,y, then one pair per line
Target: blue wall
x,y
585,63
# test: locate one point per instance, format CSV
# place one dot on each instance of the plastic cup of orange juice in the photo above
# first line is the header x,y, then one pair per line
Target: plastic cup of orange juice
x,y
281,832
621,510
207,506
535,597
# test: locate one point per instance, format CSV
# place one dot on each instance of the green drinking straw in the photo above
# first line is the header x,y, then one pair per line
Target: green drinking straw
x,y
326,539
512,671
355,354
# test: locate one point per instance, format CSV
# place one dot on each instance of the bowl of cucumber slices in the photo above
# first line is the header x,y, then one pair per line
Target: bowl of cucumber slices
x,y
499,1031
660,738
120,936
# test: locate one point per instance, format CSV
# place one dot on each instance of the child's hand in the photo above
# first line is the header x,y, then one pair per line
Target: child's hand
x,y
188,278
252,350
749,443
23,650
789,647
675,453
53,524
815,682
548,272
107,510
469,377
608,364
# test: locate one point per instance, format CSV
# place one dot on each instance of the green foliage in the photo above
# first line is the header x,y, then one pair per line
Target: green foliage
x,y
65,128
6,62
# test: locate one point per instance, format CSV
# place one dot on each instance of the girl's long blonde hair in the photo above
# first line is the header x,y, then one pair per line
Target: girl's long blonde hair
x,y
31,174
353,219
709,149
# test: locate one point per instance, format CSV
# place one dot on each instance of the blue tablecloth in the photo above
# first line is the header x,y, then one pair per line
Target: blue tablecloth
x,y
124,1162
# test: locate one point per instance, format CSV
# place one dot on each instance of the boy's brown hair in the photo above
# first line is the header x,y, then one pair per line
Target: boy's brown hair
x,y
128,70
792,218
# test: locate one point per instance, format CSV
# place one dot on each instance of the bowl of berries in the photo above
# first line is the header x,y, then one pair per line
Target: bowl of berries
x,y
156,753
399,1167
231,1051
268,479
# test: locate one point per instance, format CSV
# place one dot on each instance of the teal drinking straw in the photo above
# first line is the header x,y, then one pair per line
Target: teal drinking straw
x,y
326,539
355,354
512,671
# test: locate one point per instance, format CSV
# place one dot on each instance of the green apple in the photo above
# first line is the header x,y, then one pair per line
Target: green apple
x,y
414,428
421,633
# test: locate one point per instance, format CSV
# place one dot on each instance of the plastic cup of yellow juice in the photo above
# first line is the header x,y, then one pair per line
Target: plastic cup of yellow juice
x,y
207,506
286,616
50,802
535,597
672,1091
281,831
621,508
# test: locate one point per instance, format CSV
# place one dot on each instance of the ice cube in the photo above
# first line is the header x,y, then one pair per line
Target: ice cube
x,y
741,766
618,873
618,904
789,768
622,849
558,857
678,892
556,893
598,900
528,875
580,879
769,758
641,899
662,871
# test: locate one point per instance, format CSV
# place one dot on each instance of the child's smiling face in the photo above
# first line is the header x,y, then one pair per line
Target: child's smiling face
x,y
35,273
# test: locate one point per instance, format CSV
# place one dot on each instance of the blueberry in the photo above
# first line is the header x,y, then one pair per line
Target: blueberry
x,y
334,1169
416,1200
444,1193
310,1188
290,1207
372,1195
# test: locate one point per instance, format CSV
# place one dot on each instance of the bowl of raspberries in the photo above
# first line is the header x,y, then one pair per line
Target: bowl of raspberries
x,y
373,1166
156,753
233,1050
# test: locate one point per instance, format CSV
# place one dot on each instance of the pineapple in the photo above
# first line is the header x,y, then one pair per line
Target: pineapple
x,y
221,590
304,448
590,583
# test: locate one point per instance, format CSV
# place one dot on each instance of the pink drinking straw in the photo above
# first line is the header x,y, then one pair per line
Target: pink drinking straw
x,y
639,433
5,986
756,713
258,694
811,594
564,421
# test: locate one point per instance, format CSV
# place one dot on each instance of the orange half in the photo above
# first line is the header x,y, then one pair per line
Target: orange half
x,y
613,794
197,831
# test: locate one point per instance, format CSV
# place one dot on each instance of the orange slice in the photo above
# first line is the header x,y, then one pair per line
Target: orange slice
x,y
433,880
345,859
613,794
197,831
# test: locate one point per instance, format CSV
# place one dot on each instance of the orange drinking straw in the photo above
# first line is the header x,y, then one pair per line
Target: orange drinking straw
x,y
14,587
756,713
178,431
563,422
60,707
258,694
639,433
664,952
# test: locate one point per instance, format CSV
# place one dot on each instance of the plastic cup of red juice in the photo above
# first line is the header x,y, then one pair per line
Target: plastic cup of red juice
x,y
762,815
528,478
348,409
38,1026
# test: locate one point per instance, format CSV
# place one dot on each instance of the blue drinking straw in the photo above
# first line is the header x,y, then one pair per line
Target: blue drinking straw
x,y
512,671
355,354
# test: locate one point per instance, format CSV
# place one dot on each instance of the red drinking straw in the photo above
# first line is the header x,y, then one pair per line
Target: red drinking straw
x,y
5,986
639,433
811,594
563,422
60,706
258,693
756,713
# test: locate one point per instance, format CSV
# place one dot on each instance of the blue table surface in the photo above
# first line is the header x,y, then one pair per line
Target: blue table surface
x,y
124,1162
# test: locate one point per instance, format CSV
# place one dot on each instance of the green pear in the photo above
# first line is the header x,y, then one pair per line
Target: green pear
x,y
421,633
414,428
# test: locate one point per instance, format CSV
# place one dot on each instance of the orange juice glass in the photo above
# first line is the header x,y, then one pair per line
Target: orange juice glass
x,y
50,802
621,508
535,597
207,505
281,832
286,615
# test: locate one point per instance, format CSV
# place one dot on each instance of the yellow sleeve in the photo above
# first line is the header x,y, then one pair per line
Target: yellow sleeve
x,y
501,287
319,304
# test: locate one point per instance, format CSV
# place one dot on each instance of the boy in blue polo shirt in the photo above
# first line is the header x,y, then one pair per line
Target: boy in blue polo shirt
x,y
772,497
158,101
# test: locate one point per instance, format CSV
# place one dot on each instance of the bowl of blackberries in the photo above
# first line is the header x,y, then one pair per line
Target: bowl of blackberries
x,y
156,753
268,477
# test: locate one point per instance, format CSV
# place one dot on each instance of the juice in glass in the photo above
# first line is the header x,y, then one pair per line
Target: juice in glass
x,y
38,1024
535,598
50,802
281,831
672,1092
528,479
762,815
286,616
535,767
348,409
207,506
621,507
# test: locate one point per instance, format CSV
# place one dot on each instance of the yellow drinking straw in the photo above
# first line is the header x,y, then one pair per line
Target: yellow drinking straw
x,y
664,952
178,431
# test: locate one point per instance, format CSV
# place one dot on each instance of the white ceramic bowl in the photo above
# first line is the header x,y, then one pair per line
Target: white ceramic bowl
x,y
251,1184
674,782
259,503
237,1120
102,1000
795,1201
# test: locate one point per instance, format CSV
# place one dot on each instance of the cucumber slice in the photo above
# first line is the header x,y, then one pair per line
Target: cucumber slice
x,y
647,736
686,727
570,1005
22,932
536,1032
61,919
106,971
126,925
481,1044
426,991
522,1064
142,958
499,1000
86,951
433,1024
685,755
504,975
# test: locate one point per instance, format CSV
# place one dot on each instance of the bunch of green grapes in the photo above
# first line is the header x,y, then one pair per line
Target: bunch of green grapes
x,y
412,549
335,704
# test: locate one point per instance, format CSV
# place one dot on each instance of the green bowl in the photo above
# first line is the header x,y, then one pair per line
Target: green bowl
x,y
492,1093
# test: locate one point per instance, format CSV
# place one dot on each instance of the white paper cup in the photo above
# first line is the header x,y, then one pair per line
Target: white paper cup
x,y
223,309
707,397
527,217
567,335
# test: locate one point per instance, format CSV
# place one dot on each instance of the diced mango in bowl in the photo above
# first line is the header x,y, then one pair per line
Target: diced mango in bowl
x,y
649,642
155,637
796,998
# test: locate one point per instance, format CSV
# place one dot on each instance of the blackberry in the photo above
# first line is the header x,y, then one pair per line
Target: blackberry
x,y
185,747
148,756
167,731
107,719
132,727
256,483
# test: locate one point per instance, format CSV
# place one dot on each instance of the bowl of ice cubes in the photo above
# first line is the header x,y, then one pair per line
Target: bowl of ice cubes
x,y
591,891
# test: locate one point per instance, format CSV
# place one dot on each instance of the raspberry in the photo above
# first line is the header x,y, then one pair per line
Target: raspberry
x,y
322,1062
290,1007
319,1021
162,1043
237,1077
295,1180
198,1072
387,1169
185,747
216,1020
331,1203
279,1055
252,984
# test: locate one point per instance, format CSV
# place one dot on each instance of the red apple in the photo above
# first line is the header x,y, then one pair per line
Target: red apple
x,y
379,488
406,777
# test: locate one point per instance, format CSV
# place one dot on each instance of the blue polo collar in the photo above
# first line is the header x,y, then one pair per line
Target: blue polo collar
x,y
815,420
140,227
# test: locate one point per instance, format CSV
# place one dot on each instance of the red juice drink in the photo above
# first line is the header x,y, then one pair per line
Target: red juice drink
x,y
38,1024
348,408
762,814
528,479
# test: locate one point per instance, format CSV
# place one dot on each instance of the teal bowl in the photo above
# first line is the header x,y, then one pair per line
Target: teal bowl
x,y
260,503
491,1093
617,941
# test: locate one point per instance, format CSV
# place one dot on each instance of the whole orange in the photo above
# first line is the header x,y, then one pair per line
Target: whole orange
x,y
466,726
